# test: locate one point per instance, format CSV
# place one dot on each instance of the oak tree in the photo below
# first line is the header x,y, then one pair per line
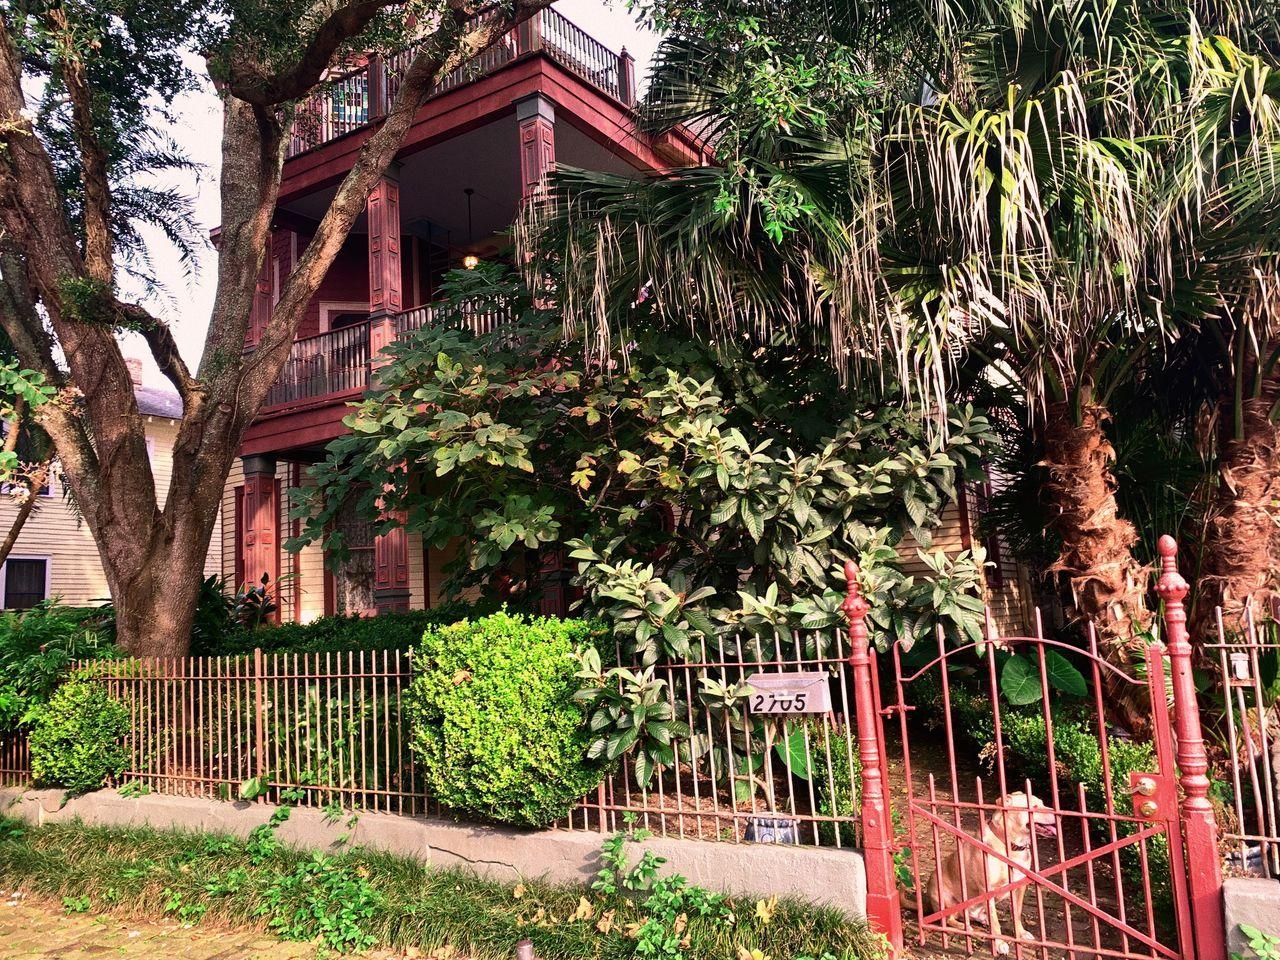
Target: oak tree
x,y
84,90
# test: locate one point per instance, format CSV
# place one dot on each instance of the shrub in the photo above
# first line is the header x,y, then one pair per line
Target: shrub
x,y
387,631
78,740
37,647
839,796
493,722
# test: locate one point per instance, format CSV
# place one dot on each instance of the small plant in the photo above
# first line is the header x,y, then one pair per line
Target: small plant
x,y
78,904
1263,946
78,742
630,713
666,903
326,898
134,789
493,722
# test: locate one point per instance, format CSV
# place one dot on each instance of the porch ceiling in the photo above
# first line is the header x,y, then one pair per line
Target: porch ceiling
x,y
433,181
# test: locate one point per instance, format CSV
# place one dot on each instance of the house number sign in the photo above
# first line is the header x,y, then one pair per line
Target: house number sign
x,y
789,693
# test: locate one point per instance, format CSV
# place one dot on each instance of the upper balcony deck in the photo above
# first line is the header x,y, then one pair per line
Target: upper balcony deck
x,y
356,99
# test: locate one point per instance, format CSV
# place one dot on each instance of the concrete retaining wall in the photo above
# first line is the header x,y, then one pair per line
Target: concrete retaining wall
x,y
1254,901
821,875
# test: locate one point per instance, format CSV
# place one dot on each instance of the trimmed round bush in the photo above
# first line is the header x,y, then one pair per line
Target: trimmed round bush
x,y
78,740
493,723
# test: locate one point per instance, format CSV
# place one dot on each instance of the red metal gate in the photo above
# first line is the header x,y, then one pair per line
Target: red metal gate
x,y
1084,841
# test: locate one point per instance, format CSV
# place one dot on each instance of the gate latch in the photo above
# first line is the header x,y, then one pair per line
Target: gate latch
x,y
1148,799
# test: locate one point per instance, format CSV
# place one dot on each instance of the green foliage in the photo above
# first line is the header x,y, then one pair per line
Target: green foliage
x,y
37,647
629,712
78,740
387,631
493,722
701,488
1263,946
323,898
666,903
395,903
838,795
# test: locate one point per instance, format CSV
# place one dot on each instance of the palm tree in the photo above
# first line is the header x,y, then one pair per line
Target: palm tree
x,y
1223,190
1006,193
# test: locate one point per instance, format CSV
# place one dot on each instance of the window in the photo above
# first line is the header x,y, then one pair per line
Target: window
x,y
334,315
26,582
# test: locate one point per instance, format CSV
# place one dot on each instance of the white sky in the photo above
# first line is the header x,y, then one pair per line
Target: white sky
x,y
198,132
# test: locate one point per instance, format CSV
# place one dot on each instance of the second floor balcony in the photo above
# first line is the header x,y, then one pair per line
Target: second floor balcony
x,y
355,99
336,364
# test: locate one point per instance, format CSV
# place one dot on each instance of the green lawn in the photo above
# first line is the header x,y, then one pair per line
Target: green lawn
x,y
361,899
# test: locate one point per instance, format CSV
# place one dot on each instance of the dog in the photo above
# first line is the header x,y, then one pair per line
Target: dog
x,y
1011,830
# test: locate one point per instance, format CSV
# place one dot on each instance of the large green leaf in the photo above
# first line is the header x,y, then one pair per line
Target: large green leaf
x,y
791,751
1062,675
1020,681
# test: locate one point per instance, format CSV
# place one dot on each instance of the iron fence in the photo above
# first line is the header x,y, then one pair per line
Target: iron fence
x,y
745,773
321,729
1248,665
15,760
314,728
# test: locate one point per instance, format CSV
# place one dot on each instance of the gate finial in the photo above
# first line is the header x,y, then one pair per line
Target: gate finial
x,y
855,605
1171,587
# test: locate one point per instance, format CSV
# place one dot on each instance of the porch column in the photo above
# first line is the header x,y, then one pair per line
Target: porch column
x,y
260,311
627,77
536,116
260,523
385,297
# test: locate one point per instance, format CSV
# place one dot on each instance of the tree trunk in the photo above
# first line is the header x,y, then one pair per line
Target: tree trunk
x,y
1108,583
57,298
155,585
1238,559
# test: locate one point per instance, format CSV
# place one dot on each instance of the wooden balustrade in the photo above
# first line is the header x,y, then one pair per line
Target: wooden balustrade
x,y
338,361
353,99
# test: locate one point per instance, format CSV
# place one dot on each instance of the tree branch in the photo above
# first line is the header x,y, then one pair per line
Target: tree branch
x,y
450,46
163,347
98,247
248,81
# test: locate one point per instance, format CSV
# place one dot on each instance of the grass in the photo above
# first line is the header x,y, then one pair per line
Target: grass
x,y
363,899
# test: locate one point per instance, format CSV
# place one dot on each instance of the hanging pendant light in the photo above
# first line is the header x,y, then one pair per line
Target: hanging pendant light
x,y
470,261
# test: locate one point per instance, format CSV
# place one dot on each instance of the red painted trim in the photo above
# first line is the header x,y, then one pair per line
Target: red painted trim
x,y
315,425
237,569
295,559
478,103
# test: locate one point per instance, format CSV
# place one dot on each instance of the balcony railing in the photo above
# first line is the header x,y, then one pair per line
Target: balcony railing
x,y
338,361
333,362
356,98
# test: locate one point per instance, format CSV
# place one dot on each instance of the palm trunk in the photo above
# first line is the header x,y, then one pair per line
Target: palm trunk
x,y
1107,581
1240,552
